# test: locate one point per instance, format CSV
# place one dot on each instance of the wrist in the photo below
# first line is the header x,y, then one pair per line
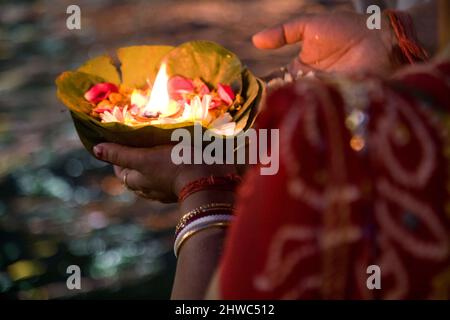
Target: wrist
x,y
210,215
204,197
195,173
206,201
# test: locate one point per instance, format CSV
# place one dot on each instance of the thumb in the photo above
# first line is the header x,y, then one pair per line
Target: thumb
x,y
119,155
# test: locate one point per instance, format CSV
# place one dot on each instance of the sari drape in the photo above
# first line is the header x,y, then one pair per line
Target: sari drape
x,y
363,184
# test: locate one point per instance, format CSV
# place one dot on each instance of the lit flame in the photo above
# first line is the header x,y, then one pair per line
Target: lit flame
x,y
159,97
159,108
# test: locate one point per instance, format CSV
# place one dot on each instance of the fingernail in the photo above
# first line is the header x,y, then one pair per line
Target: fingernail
x,y
98,151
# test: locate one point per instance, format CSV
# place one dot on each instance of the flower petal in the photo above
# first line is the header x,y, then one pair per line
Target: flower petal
x,y
203,89
100,92
196,105
225,93
226,129
107,117
206,101
216,102
117,113
101,110
178,85
221,120
200,87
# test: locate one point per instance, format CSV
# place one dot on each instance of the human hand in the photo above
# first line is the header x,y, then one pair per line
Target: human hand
x,y
334,42
151,173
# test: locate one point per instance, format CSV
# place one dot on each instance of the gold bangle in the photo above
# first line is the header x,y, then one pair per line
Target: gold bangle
x,y
204,208
189,234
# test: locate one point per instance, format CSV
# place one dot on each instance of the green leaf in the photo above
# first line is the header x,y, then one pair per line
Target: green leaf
x,y
206,60
202,59
71,86
102,67
139,63
250,90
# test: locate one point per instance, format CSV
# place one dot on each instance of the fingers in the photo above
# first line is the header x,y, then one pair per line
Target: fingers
x,y
118,171
122,156
132,179
287,33
137,183
271,38
297,66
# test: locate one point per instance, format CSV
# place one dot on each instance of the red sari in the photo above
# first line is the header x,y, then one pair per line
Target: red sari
x,y
363,180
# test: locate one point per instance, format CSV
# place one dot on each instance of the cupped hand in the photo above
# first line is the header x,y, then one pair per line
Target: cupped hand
x,y
151,173
338,41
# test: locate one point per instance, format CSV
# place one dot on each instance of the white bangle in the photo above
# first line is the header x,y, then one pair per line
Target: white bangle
x,y
198,225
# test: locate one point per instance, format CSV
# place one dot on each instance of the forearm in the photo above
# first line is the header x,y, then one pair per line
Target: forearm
x,y
197,262
199,255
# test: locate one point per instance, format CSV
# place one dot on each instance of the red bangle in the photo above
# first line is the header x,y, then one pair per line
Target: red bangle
x,y
411,50
223,183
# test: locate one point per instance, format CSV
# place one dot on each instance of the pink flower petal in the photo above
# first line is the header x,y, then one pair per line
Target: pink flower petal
x,y
203,89
200,87
117,113
100,92
178,85
225,93
134,110
101,109
216,102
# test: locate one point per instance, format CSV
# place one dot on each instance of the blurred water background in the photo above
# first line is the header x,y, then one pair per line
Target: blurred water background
x,y
58,205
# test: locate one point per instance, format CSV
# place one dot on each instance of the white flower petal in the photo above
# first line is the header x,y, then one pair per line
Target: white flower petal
x,y
107,117
206,101
221,120
226,129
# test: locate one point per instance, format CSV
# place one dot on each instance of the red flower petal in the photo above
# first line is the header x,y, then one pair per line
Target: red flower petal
x,y
100,92
216,102
101,110
200,87
134,110
178,85
225,93
203,89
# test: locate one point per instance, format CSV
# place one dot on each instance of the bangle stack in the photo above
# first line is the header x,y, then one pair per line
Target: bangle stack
x,y
213,215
